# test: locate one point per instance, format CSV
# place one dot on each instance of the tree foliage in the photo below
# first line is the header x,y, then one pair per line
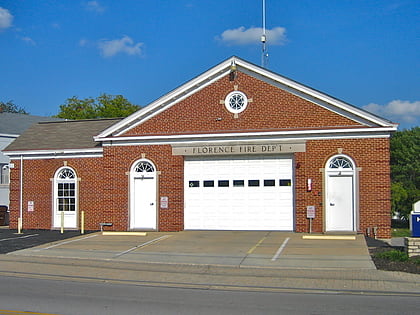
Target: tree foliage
x,y
10,107
104,106
405,170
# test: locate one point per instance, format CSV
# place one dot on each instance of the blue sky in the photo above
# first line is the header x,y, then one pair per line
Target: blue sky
x,y
364,52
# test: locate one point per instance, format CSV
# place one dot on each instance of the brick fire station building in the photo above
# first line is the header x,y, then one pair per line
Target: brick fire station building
x,y
236,148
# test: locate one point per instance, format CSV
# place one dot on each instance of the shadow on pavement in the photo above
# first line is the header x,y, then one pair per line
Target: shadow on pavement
x,y
11,241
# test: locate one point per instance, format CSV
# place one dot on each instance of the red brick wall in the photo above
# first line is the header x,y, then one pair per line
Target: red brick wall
x,y
372,156
271,109
38,187
119,161
104,185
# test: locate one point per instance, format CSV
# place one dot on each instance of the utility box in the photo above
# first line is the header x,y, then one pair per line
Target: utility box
x,y
415,220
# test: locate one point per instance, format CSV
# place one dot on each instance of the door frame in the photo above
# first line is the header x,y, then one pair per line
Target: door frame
x,y
56,181
137,174
349,170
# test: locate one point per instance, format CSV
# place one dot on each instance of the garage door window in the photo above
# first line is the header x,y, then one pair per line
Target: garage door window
x,y
238,183
194,183
269,182
223,183
208,183
285,182
254,183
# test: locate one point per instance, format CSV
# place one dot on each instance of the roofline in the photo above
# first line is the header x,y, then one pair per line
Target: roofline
x,y
221,70
245,137
321,133
173,96
315,93
9,135
56,153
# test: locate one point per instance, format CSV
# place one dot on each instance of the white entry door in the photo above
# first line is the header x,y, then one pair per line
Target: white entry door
x,y
143,197
340,198
65,199
340,204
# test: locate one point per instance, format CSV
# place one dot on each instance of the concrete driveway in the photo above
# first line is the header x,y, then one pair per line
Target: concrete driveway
x,y
224,248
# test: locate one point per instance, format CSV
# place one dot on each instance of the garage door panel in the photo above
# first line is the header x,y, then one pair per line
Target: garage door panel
x,y
246,193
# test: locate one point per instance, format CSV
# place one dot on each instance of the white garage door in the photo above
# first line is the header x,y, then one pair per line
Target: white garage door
x,y
239,193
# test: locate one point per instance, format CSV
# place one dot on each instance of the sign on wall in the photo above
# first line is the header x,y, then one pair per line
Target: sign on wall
x,y
164,202
236,149
310,212
31,207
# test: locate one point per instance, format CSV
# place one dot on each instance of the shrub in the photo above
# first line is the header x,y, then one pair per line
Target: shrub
x,y
394,255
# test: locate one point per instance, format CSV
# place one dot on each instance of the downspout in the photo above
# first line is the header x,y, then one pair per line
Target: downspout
x,y
20,219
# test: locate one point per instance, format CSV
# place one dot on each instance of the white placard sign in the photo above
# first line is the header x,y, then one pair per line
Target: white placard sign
x,y
310,212
164,202
31,206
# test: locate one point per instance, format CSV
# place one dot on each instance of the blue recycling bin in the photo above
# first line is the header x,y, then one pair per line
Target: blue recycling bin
x,y
415,224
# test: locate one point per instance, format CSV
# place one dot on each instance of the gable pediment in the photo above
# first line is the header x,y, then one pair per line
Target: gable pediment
x,y
274,104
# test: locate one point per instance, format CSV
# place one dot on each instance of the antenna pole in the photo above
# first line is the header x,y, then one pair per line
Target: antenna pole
x,y
264,56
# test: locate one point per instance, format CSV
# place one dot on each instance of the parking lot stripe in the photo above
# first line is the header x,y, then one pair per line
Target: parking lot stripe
x,y
143,245
283,245
256,245
66,242
4,312
13,238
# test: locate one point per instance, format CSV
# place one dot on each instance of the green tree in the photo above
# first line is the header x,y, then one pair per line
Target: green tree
x,y
10,107
104,106
405,170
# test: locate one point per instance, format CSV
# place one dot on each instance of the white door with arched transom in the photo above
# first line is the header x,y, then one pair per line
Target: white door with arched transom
x,y
65,212
340,195
143,208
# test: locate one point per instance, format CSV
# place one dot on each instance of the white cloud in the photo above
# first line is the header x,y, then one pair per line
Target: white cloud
x,y
83,42
243,36
124,45
397,110
5,19
28,40
95,6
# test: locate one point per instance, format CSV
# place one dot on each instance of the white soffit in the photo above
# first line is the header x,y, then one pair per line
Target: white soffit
x,y
221,70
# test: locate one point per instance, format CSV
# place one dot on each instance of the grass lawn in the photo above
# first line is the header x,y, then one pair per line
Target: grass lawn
x,y
400,232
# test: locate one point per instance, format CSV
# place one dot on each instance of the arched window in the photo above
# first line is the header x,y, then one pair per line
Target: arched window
x,y
66,189
144,167
66,173
340,162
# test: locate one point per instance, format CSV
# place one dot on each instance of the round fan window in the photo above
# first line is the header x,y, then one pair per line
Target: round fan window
x,y
236,102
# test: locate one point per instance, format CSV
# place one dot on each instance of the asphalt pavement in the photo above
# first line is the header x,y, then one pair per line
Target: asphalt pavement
x,y
234,260
262,249
11,241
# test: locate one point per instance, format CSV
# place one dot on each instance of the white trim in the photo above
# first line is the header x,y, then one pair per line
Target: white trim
x,y
236,110
167,100
316,94
329,172
133,175
8,135
196,139
241,141
55,154
222,69
71,216
237,136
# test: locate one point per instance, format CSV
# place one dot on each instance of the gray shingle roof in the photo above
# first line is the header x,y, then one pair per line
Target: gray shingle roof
x,y
75,134
15,124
